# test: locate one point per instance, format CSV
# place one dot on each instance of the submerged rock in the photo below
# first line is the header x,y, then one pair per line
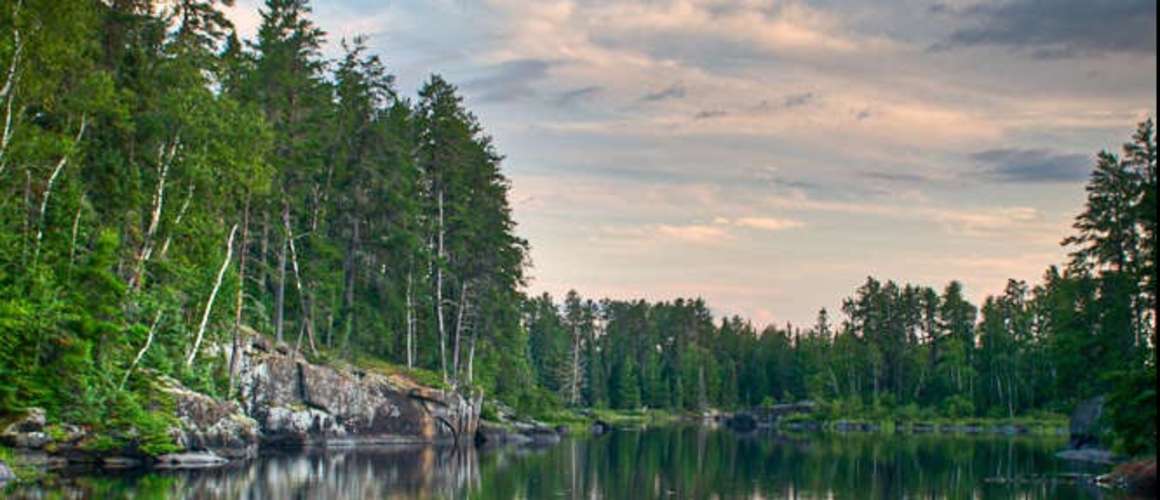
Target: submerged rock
x,y
189,460
1093,455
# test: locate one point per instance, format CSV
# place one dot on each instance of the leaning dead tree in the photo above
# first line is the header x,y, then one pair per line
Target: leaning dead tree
x,y
212,295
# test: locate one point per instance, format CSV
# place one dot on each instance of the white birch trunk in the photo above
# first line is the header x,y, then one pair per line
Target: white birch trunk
x,y
471,358
212,295
176,222
164,160
458,329
48,187
8,91
439,293
144,348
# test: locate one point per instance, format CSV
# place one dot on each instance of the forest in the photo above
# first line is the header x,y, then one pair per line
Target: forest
x,y
168,186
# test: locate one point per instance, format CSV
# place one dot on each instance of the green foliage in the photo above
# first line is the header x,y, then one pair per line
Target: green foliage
x,y
1131,410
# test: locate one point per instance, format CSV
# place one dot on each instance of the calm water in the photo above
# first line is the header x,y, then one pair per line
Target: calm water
x,y
680,462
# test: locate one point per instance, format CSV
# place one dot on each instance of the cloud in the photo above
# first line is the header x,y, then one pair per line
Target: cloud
x,y
1033,165
897,177
983,222
674,91
693,233
768,223
570,96
790,101
509,80
710,113
796,100
1049,29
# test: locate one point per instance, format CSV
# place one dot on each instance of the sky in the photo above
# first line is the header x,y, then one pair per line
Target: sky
x,y
768,156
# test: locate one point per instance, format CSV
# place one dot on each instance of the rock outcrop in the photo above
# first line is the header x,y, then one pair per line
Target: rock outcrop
x,y
26,430
285,401
296,403
209,425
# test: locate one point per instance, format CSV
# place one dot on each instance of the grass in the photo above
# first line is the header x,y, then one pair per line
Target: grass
x,y
420,376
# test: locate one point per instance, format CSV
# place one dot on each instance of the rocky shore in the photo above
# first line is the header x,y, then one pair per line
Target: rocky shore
x,y
284,402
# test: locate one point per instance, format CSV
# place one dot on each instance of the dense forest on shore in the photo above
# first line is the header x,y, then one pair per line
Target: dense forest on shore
x,y
166,185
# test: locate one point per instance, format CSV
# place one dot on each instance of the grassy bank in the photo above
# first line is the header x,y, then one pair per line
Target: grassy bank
x,y
1040,424
581,420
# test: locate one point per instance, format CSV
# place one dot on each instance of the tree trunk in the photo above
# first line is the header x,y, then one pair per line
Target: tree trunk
x,y
280,287
212,295
410,322
574,383
177,221
144,348
439,293
348,287
307,321
471,357
43,212
8,91
263,253
243,250
458,330
163,162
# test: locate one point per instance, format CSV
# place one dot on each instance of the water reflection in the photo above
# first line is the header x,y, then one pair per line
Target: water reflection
x,y
682,462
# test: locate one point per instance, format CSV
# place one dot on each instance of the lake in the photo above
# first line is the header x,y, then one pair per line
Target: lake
x,y
667,462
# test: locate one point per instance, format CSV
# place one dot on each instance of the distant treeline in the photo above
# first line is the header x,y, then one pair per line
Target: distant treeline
x,y
1088,329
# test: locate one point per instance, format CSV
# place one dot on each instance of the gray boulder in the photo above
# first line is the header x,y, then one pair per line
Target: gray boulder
x,y
1084,428
26,431
6,473
211,425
